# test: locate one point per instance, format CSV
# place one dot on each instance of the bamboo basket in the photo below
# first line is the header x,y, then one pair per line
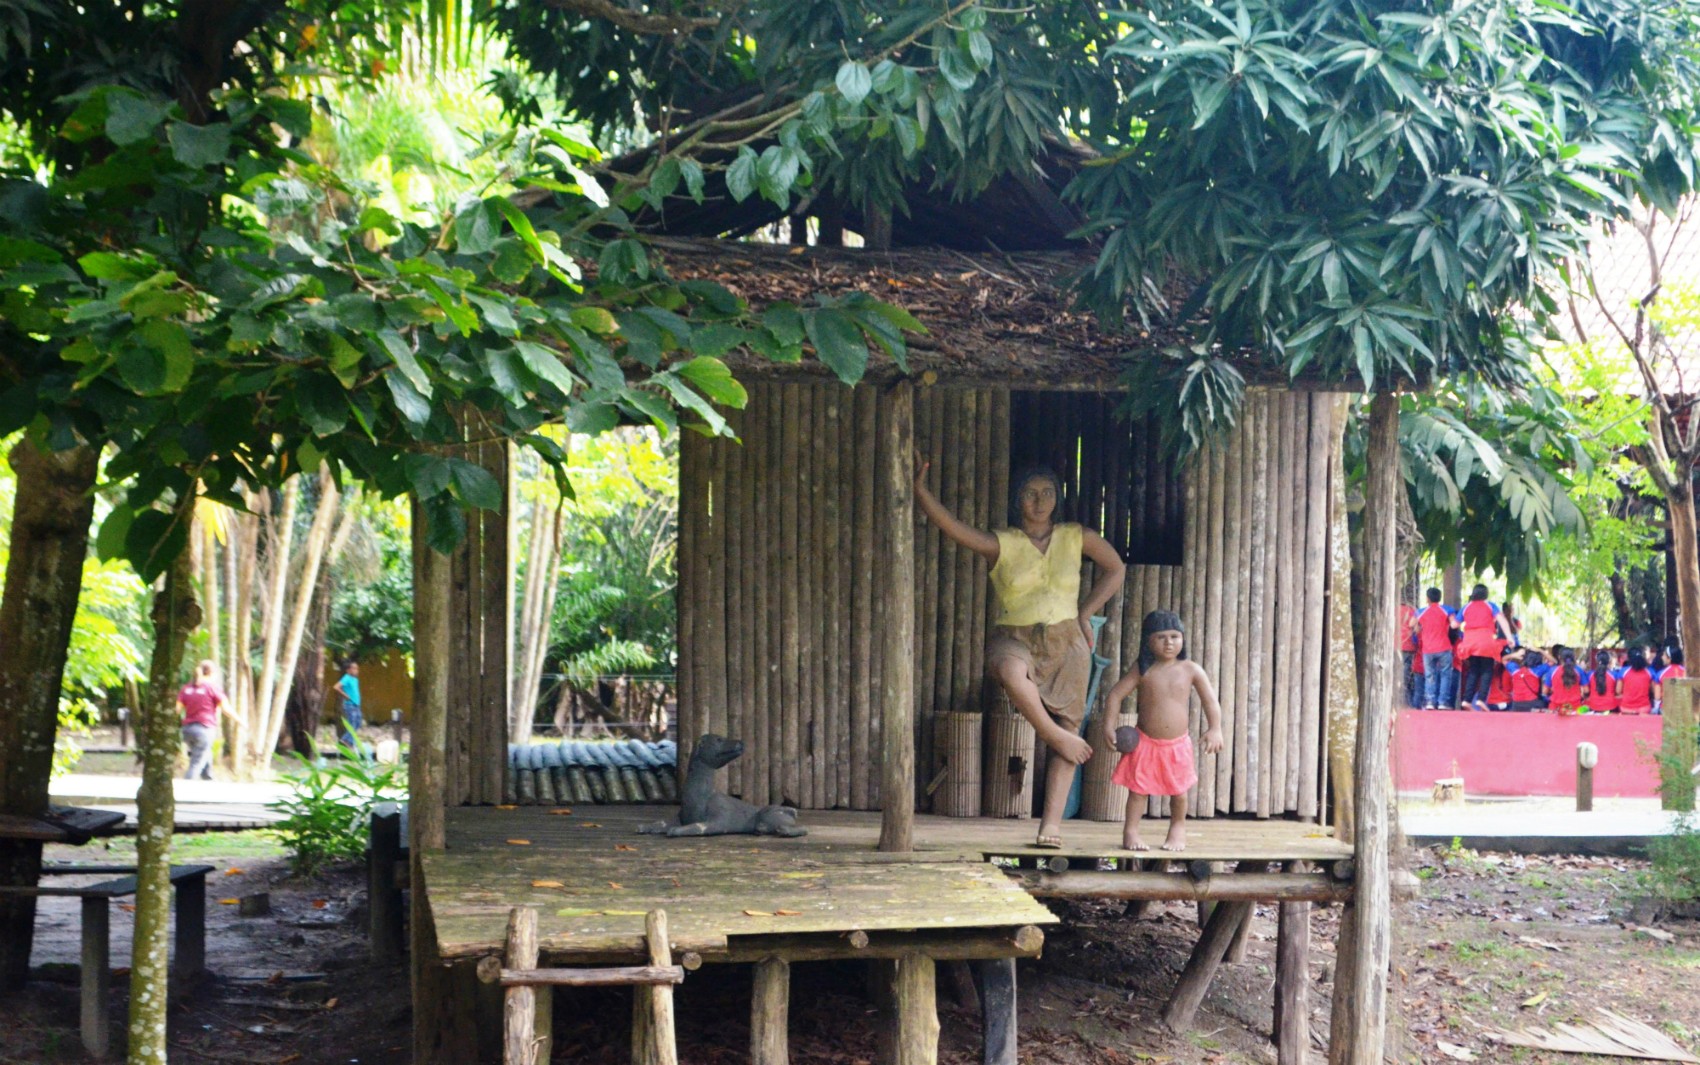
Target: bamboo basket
x,y
1009,764
1100,799
956,738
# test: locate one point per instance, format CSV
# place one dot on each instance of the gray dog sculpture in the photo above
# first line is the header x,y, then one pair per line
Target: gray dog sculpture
x,y
706,812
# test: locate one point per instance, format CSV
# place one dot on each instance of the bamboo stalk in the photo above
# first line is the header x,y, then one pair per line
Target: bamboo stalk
x,y
728,494
803,414
787,784
996,515
979,572
949,451
820,530
963,617
1214,594
1229,638
1251,627
691,723
897,688
861,725
928,405
497,645
1271,542
849,667
830,603
765,580
1288,606
1341,709
1316,568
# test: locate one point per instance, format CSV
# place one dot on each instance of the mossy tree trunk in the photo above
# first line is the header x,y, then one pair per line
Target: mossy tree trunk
x,y
175,615
44,574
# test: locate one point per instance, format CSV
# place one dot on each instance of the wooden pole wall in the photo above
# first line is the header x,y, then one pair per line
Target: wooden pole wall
x,y
783,545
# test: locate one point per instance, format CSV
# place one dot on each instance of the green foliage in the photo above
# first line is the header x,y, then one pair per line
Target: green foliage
x,y
372,607
329,809
1675,872
1371,190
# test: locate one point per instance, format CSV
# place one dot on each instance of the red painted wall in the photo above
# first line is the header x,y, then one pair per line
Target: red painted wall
x,y
1523,754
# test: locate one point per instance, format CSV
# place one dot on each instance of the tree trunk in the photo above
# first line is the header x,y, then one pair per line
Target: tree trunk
x,y
175,615
304,709
538,608
314,548
1359,1030
44,576
1342,709
1685,561
282,536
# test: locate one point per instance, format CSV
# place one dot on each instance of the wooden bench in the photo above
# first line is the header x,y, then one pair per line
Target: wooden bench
x,y
188,958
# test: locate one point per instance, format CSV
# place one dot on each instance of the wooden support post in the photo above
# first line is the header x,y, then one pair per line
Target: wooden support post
x,y
383,895
1292,984
652,1006
897,694
960,979
770,1013
997,1005
1242,936
190,956
913,1019
96,976
519,1006
1201,967
1359,1026
1587,757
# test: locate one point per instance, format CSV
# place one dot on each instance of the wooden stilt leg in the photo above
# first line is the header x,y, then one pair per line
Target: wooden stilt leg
x,y
519,1006
1242,937
997,996
770,1013
190,958
97,976
961,982
1201,967
915,1012
653,1006
1292,985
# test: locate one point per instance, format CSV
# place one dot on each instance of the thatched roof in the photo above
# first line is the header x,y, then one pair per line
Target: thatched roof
x,y
991,318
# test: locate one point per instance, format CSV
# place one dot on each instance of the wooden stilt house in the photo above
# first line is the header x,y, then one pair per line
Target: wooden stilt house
x,y
826,625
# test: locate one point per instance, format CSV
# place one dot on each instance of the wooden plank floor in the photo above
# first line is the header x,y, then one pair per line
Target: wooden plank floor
x,y
592,876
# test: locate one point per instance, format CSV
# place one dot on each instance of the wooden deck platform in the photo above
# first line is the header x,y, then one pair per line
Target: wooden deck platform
x,y
592,877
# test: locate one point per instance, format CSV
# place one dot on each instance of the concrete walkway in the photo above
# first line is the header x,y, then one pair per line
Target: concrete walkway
x,y
202,805
1615,827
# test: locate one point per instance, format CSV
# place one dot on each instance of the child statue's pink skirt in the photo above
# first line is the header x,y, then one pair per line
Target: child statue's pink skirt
x,y
1158,767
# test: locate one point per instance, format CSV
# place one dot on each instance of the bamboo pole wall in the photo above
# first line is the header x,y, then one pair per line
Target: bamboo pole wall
x,y
480,607
780,548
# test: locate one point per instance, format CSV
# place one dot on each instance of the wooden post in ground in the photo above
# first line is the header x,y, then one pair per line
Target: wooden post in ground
x,y
96,977
652,1006
1359,1029
1679,745
383,896
897,687
1201,967
1587,757
770,1013
913,1018
998,1009
524,1008
1292,984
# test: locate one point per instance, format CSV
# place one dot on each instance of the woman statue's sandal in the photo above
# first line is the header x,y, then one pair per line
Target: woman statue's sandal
x,y
1048,843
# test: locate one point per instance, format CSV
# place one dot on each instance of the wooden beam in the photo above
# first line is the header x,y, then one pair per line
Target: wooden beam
x,y
998,1009
491,971
943,945
1359,1028
770,1013
897,694
1227,887
1201,967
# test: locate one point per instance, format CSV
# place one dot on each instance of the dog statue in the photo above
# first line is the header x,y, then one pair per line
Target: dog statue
x,y
706,812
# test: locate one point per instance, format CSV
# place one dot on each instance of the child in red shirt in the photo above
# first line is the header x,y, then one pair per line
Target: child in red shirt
x,y
1564,687
1636,689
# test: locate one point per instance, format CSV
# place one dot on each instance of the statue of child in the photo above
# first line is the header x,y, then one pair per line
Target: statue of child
x,y
1157,758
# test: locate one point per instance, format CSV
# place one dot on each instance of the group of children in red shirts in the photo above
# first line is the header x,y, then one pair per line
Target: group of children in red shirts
x,y
1470,659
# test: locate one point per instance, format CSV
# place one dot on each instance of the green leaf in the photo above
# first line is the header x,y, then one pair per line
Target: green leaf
x,y
512,262
597,320
691,171
142,369
957,69
718,338
741,175
414,408
473,485
199,146
323,404
477,229
107,266
546,365
131,117
785,322
838,342
407,361
714,378
854,81
109,544
980,49
172,341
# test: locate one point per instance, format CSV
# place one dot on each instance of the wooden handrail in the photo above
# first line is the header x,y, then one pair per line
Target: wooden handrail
x,y
619,976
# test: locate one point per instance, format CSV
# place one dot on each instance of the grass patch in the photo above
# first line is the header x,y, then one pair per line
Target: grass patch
x,y
249,843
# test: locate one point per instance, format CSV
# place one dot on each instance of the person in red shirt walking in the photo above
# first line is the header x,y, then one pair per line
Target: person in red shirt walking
x,y
201,701
1433,627
1485,633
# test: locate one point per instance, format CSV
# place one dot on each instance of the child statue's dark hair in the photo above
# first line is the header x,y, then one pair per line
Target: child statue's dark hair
x,y
1155,622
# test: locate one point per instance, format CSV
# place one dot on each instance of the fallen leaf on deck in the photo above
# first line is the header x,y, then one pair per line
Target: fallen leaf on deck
x,y
290,1058
1535,1000
319,904
572,912
520,842
616,887
562,812
1612,1034
588,824
625,913
330,1003
547,883
228,902
506,806
757,913
788,913
234,872
127,907
624,847
801,876
1454,1051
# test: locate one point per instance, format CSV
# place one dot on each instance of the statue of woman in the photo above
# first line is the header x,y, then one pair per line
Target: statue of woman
x,y
1041,649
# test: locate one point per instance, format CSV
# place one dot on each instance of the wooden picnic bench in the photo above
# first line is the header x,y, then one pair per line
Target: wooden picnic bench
x,y
188,957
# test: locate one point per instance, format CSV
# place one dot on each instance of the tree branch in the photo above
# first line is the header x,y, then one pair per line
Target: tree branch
x,y
635,21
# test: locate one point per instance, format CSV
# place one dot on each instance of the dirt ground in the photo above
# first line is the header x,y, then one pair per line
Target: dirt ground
x,y
1493,941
